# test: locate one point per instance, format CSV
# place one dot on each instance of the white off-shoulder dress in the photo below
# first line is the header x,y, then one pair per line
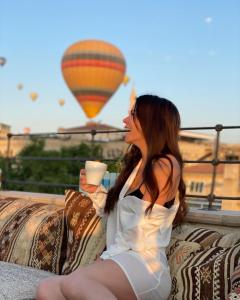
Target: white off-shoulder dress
x,y
137,242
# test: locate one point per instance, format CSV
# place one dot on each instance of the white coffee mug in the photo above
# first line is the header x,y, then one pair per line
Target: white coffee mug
x,y
95,170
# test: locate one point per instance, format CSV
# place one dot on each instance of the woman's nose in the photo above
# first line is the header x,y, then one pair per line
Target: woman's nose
x,y
125,120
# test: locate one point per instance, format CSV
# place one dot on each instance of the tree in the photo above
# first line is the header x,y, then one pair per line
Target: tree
x,y
45,167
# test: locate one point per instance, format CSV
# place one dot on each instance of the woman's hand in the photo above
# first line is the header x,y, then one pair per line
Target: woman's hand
x,y
89,188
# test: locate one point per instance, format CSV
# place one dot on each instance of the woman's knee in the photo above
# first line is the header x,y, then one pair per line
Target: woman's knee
x,y
73,286
47,286
43,289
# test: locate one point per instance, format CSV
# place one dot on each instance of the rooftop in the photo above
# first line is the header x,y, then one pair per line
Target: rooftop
x,y
204,169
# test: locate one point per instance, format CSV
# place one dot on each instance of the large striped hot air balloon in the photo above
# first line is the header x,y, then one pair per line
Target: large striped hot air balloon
x,y
93,70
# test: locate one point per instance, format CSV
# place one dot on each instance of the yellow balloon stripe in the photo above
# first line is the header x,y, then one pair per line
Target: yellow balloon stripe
x,y
94,46
91,108
107,79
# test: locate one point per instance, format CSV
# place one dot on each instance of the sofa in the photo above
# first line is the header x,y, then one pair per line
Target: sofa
x,y
44,236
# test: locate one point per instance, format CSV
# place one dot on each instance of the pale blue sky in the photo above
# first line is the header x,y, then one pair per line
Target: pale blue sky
x,y
187,51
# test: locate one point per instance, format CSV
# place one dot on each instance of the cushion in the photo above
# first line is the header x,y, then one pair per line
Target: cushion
x,y
31,234
228,240
85,231
178,252
206,275
235,284
19,282
203,236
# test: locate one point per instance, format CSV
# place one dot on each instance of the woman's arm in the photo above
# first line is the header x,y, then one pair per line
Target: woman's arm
x,y
162,170
98,194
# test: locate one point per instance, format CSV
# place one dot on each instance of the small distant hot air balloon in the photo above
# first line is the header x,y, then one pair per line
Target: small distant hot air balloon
x,y
126,80
20,86
27,130
133,97
61,102
93,70
33,96
2,61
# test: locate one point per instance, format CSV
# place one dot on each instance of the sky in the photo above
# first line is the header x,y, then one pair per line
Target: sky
x,y
186,51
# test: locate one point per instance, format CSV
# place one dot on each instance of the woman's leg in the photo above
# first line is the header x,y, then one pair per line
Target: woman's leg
x,y
49,288
83,288
102,273
100,280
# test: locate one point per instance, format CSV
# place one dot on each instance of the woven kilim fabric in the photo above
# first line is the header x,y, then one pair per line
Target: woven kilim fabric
x,y
207,275
85,231
31,233
235,284
204,237
178,252
227,240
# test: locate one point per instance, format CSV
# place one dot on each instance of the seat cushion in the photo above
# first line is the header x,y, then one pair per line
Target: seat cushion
x,y
19,282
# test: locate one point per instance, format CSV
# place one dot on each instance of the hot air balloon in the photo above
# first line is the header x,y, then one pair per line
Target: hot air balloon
x,y
133,97
126,80
27,130
2,61
19,86
33,96
93,70
61,102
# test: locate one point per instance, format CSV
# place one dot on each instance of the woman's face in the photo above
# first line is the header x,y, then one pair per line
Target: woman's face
x,y
135,135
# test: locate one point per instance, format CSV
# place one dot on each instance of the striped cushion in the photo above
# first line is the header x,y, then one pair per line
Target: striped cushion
x,y
31,233
85,231
235,283
228,240
203,236
206,275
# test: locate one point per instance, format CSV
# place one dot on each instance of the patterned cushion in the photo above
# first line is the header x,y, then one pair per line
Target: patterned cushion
x,y
235,284
178,252
203,236
228,240
85,231
206,275
31,233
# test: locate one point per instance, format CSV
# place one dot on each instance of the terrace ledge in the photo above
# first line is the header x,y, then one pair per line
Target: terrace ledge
x,y
228,218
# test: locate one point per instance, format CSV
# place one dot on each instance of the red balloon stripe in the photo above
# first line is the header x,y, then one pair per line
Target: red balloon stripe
x,y
93,63
96,98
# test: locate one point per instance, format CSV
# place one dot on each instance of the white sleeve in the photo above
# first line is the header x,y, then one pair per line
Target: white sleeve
x,y
99,199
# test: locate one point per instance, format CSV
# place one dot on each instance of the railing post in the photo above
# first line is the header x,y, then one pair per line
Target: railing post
x,y
93,133
215,162
7,160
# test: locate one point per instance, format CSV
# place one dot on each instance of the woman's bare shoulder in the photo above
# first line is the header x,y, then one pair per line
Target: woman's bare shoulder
x,y
166,164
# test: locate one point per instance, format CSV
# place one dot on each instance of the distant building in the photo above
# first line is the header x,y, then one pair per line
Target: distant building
x,y
93,126
198,181
4,130
112,142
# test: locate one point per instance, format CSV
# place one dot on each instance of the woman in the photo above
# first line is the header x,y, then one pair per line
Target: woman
x,y
147,199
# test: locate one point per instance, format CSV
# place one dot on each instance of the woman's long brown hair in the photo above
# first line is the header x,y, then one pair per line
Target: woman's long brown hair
x,y
160,123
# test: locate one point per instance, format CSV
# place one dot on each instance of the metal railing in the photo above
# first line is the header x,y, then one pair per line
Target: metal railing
x,y
214,162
